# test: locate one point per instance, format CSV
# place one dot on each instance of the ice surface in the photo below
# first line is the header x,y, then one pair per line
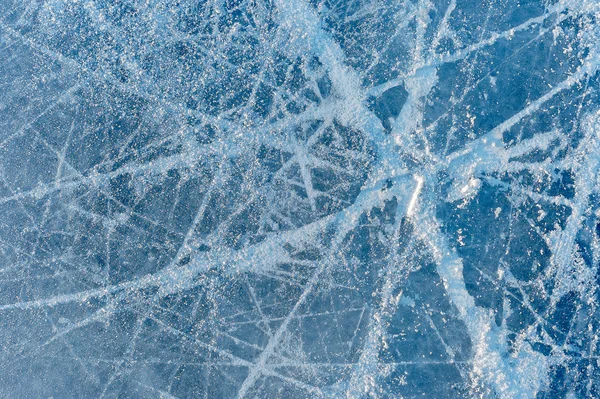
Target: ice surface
x,y
299,199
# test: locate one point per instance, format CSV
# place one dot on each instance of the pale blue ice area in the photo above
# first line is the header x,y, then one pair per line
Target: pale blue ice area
x,y
299,199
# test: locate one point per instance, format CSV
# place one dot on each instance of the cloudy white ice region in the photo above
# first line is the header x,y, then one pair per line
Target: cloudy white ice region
x,y
299,199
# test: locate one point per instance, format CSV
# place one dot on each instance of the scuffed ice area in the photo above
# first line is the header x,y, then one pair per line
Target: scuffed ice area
x,y
299,199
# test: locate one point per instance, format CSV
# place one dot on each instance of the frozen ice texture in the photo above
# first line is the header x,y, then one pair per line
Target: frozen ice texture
x,y
299,199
